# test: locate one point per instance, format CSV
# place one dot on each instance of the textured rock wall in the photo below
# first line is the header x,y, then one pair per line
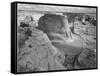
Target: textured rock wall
x,y
38,54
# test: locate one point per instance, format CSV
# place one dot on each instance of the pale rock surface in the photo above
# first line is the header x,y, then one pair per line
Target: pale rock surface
x,y
39,54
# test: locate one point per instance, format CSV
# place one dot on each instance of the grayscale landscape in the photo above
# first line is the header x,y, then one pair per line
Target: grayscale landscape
x,y
51,38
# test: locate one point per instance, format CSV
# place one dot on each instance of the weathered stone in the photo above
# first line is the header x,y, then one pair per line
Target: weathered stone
x,y
39,54
58,30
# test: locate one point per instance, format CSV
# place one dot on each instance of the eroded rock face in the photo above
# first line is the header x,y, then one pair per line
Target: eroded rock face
x,y
39,54
50,22
57,29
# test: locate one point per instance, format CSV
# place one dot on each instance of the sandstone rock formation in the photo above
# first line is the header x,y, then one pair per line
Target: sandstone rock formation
x,y
38,54
58,30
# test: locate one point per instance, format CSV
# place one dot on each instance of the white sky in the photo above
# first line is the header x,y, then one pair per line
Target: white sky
x,y
50,8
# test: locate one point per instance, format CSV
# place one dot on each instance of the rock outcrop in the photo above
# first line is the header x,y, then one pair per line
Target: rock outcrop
x,y
38,54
